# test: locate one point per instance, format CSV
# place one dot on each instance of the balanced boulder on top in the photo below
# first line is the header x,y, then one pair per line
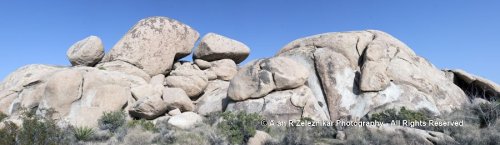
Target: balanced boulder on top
x,y
86,52
215,47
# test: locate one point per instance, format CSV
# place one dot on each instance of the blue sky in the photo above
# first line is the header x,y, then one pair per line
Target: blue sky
x,y
451,34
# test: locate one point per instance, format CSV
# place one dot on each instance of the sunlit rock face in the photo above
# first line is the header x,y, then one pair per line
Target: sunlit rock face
x,y
364,71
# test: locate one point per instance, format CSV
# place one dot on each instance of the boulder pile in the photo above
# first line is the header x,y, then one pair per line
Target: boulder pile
x,y
330,76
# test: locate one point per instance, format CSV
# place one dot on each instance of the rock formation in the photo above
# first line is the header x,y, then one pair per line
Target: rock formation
x,y
330,76
86,52
153,44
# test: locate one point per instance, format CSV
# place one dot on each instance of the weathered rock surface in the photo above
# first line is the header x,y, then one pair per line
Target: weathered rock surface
x,y
257,79
202,64
102,91
363,64
145,91
259,138
185,120
86,52
412,135
224,69
329,76
158,80
215,47
153,44
148,108
214,99
189,78
24,87
283,105
123,67
476,86
62,89
177,99
76,94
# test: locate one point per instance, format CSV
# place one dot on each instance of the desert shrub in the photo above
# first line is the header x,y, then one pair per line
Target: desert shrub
x,y
201,134
137,136
83,133
144,124
3,116
361,135
387,116
474,131
41,130
166,133
111,120
8,133
212,118
301,135
488,113
239,127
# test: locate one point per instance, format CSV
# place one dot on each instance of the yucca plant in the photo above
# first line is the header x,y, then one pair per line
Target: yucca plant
x,y
83,133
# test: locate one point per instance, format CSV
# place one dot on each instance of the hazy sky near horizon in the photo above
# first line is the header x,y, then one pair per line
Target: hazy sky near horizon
x,y
450,34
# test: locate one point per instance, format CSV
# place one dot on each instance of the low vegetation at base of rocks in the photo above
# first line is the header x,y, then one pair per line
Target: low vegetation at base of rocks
x,y
239,127
303,135
481,124
488,113
387,116
481,127
35,129
112,120
84,133
2,116
144,124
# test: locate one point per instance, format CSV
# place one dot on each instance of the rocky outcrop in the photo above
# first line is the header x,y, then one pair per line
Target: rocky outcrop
x,y
177,99
145,91
24,87
189,78
224,69
214,99
185,120
412,135
153,44
283,105
265,75
102,91
215,47
476,86
86,52
62,89
123,67
355,67
329,76
259,138
148,108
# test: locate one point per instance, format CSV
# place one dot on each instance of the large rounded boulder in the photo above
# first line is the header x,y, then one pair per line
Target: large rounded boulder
x,y
215,47
364,71
86,52
153,44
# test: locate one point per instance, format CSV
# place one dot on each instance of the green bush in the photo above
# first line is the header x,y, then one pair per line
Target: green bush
x,y
3,116
211,118
387,116
111,120
145,124
8,134
239,127
40,130
302,135
83,133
